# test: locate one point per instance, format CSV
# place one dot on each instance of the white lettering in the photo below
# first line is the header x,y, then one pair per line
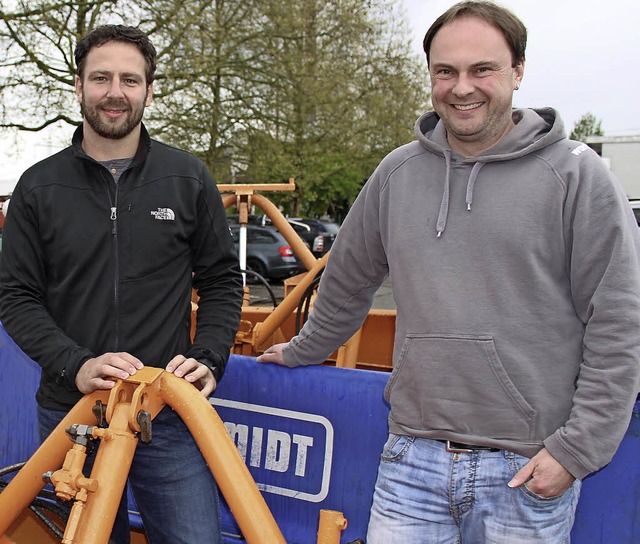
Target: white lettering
x,y
256,447
278,448
278,451
164,214
580,149
240,435
303,442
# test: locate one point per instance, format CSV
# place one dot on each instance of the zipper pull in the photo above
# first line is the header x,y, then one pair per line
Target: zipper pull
x,y
113,214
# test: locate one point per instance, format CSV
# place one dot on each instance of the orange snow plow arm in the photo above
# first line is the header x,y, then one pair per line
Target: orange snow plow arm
x,y
128,408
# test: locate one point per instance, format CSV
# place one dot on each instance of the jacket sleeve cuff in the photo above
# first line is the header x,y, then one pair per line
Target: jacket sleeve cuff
x,y
67,376
215,362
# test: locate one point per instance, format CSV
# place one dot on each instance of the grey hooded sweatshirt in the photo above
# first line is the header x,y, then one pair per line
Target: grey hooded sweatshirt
x,y
517,281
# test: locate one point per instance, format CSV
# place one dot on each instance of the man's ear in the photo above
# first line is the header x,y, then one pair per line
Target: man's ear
x,y
78,85
147,101
518,75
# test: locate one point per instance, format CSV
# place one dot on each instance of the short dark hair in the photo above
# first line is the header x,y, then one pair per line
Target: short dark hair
x,y
116,33
512,28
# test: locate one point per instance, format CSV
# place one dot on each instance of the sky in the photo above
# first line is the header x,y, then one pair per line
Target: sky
x,y
582,56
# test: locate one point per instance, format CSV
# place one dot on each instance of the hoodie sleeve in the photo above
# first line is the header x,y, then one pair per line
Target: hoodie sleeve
x,y
604,271
356,267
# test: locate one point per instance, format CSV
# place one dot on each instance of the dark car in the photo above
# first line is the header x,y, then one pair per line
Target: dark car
x,y
318,234
268,253
635,206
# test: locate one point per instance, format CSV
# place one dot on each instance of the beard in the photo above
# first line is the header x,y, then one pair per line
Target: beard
x,y
112,130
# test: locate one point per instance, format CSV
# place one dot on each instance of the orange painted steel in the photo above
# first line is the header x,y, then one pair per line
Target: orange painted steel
x,y
262,332
92,516
28,482
233,477
245,197
330,527
348,353
290,235
370,348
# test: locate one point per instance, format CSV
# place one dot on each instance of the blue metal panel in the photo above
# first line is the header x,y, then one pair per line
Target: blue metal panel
x,y
609,506
19,378
311,437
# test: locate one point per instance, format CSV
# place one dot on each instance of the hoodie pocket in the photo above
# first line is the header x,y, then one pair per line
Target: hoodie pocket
x,y
457,383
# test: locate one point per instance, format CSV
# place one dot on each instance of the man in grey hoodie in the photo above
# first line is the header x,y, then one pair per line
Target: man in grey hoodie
x,y
514,262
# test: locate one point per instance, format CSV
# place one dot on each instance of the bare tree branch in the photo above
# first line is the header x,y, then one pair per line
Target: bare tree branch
x,y
43,125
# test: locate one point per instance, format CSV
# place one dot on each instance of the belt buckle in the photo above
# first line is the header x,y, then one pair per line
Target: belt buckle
x,y
452,449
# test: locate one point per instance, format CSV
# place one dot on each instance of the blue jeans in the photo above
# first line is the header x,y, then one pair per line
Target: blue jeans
x,y
426,495
173,488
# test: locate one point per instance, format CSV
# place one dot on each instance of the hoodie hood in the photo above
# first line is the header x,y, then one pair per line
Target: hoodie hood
x,y
534,129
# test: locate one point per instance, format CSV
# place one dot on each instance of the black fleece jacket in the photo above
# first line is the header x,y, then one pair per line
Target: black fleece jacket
x,y
90,267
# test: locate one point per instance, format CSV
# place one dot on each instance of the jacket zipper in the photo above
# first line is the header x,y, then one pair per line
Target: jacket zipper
x,y
114,233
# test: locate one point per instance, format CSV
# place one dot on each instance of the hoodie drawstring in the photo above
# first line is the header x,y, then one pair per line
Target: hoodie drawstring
x,y
444,204
471,183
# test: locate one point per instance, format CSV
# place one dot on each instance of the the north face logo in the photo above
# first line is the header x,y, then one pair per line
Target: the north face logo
x,y
164,214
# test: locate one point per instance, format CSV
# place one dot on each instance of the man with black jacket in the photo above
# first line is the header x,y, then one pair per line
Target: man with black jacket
x,y
102,247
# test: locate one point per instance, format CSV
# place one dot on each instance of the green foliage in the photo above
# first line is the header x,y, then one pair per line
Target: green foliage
x,y
260,90
587,125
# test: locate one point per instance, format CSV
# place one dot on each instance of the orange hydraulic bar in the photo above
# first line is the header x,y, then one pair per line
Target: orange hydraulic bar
x,y
233,477
263,331
250,188
27,483
113,461
281,223
348,353
153,388
245,196
330,527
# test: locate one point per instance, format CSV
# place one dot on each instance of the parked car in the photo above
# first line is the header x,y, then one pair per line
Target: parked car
x,y
319,236
268,253
635,206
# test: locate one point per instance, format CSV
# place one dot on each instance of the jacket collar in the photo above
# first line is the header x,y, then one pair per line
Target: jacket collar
x,y
144,145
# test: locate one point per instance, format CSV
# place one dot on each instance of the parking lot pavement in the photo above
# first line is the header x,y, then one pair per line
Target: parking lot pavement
x,y
261,297
383,298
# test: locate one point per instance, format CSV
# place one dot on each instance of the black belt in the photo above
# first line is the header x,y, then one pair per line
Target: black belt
x,y
458,447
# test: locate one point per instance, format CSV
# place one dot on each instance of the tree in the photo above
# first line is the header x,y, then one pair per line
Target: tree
x,y
346,91
587,126
261,90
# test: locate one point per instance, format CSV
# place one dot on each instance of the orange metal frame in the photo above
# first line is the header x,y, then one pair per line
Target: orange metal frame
x,y
371,347
97,497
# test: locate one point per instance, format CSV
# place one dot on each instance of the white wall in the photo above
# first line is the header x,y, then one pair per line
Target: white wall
x,y
624,158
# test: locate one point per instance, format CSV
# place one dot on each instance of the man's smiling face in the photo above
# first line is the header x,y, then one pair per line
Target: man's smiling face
x,y
113,92
472,80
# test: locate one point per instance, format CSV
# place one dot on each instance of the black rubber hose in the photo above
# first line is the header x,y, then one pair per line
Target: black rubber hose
x,y
264,282
12,468
48,522
305,302
40,503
